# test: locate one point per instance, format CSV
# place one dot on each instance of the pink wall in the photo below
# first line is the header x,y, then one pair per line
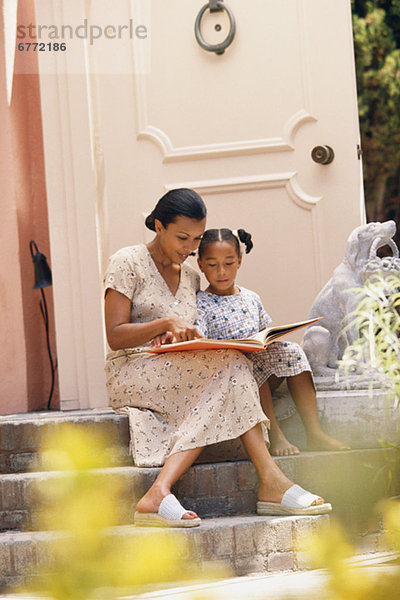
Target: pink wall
x,y
24,363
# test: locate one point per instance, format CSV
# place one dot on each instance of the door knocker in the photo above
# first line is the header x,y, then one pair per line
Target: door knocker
x,y
215,6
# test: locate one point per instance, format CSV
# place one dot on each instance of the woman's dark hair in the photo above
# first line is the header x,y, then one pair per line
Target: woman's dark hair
x,y
181,202
226,235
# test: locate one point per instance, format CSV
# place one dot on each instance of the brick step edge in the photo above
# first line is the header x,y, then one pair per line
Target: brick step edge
x,y
228,488
20,435
352,417
244,544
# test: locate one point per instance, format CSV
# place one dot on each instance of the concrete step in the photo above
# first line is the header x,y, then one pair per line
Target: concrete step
x,y
353,416
362,418
245,544
353,481
288,585
22,434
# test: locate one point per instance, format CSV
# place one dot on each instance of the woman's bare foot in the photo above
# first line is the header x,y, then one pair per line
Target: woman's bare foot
x,y
151,501
323,441
280,445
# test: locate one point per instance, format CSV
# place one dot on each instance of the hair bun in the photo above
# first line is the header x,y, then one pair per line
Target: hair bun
x,y
150,221
245,238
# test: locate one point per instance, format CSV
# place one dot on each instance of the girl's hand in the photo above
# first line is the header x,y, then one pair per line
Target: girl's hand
x,y
182,331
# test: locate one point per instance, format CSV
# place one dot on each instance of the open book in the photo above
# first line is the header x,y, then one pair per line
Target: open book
x,y
259,341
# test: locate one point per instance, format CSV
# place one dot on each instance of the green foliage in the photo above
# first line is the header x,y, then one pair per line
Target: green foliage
x,y
377,321
376,28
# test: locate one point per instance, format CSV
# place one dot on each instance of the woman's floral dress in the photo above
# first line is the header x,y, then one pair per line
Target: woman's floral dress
x,y
178,400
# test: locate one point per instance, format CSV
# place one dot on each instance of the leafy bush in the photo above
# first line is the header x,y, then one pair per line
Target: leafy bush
x,y
376,321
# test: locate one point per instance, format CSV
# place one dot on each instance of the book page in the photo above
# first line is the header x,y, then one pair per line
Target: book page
x,y
271,333
257,342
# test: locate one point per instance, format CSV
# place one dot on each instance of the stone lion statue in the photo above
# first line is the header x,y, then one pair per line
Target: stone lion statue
x,y
324,342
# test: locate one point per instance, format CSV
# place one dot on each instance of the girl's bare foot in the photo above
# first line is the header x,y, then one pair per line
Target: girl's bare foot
x,y
323,441
151,501
280,445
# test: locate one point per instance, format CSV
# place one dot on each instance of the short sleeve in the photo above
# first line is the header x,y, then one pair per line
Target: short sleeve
x,y
264,318
201,320
196,282
193,278
120,274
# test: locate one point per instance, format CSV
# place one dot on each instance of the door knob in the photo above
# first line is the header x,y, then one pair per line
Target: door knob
x,y
322,155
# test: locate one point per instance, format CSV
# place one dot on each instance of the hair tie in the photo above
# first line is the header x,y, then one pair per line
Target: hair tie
x,y
235,233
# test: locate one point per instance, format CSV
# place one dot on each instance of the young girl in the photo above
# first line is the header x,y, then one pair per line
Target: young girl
x,y
226,311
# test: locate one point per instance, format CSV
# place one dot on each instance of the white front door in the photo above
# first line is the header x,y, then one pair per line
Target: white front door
x,y
238,127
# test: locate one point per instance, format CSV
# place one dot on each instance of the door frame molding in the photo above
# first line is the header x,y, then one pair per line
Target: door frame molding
x,y
71,201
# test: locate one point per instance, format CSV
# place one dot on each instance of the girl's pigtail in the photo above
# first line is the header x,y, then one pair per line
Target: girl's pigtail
x,y
245,238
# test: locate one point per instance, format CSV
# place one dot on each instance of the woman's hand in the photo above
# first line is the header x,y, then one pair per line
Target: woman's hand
x,y
169,338
181,331
121,333
159,340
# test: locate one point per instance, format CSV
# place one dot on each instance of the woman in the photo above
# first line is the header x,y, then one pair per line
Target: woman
x,y
180,402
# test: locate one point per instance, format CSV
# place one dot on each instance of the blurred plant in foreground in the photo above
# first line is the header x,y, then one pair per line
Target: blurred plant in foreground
x,y
375,352
90,558
346,581
376,319
332,550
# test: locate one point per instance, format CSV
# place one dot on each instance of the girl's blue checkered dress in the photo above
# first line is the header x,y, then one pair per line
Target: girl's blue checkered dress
x,y
242,315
